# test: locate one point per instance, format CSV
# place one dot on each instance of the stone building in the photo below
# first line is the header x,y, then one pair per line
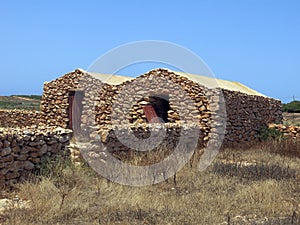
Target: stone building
x,y
128,114
89,102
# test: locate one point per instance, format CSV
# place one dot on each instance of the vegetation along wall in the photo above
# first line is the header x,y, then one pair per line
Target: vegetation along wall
x,y
286,131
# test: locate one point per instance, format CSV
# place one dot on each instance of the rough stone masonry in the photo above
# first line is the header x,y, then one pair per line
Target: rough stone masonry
x,y
106,104
178,100
22,149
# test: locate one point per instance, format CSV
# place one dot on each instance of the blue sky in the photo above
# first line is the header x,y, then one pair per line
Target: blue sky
x,y
255,42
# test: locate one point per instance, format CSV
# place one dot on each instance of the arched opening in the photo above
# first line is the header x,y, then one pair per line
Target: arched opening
x,y
158,107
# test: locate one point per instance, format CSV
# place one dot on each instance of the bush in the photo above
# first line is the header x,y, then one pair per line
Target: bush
x,y
270,134
292,107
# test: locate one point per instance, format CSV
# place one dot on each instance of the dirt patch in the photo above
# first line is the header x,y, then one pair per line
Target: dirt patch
x,y
291,119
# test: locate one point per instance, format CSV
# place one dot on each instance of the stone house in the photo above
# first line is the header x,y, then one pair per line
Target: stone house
x,y
83,100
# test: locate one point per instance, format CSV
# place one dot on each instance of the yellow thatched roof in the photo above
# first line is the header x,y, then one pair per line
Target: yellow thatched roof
x,y
110,79
209,82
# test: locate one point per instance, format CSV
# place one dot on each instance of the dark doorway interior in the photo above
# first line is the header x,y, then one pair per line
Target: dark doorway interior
x,y
161,106
75,110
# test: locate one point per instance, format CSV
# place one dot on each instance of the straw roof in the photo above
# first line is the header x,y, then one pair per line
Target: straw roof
x,y
209,82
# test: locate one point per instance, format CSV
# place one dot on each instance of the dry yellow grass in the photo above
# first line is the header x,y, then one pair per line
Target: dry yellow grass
x,y
240,187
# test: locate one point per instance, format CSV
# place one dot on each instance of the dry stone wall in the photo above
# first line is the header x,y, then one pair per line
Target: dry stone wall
x,y
19,118
138,145
105,106
54,104
21,150
55,100
186,101
116,139
183,104
247,115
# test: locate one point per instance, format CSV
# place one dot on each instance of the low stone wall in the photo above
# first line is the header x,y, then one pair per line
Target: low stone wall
x,y
21,150
288,131
19,118
143,144
123,137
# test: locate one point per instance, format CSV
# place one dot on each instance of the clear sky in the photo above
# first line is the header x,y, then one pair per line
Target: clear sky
x,y
255,42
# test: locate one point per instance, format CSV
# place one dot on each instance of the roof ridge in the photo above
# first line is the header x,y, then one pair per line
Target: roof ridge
x,y
208,81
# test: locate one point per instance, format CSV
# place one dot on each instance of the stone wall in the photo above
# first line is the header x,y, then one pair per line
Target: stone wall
x,y
247,115
21,150
170,144
123,104
120,137
116,111
19,118
105,106
55,101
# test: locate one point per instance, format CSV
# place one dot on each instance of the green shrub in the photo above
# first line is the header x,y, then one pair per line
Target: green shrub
x,y
270,134
292,107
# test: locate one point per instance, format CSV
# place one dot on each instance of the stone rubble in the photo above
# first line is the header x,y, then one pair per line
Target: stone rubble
x,y
288,131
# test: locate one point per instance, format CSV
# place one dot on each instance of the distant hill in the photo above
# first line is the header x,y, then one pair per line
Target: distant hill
x,y
27,102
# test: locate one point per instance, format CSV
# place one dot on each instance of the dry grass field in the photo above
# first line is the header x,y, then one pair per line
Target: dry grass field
x,y
257,185
260,185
